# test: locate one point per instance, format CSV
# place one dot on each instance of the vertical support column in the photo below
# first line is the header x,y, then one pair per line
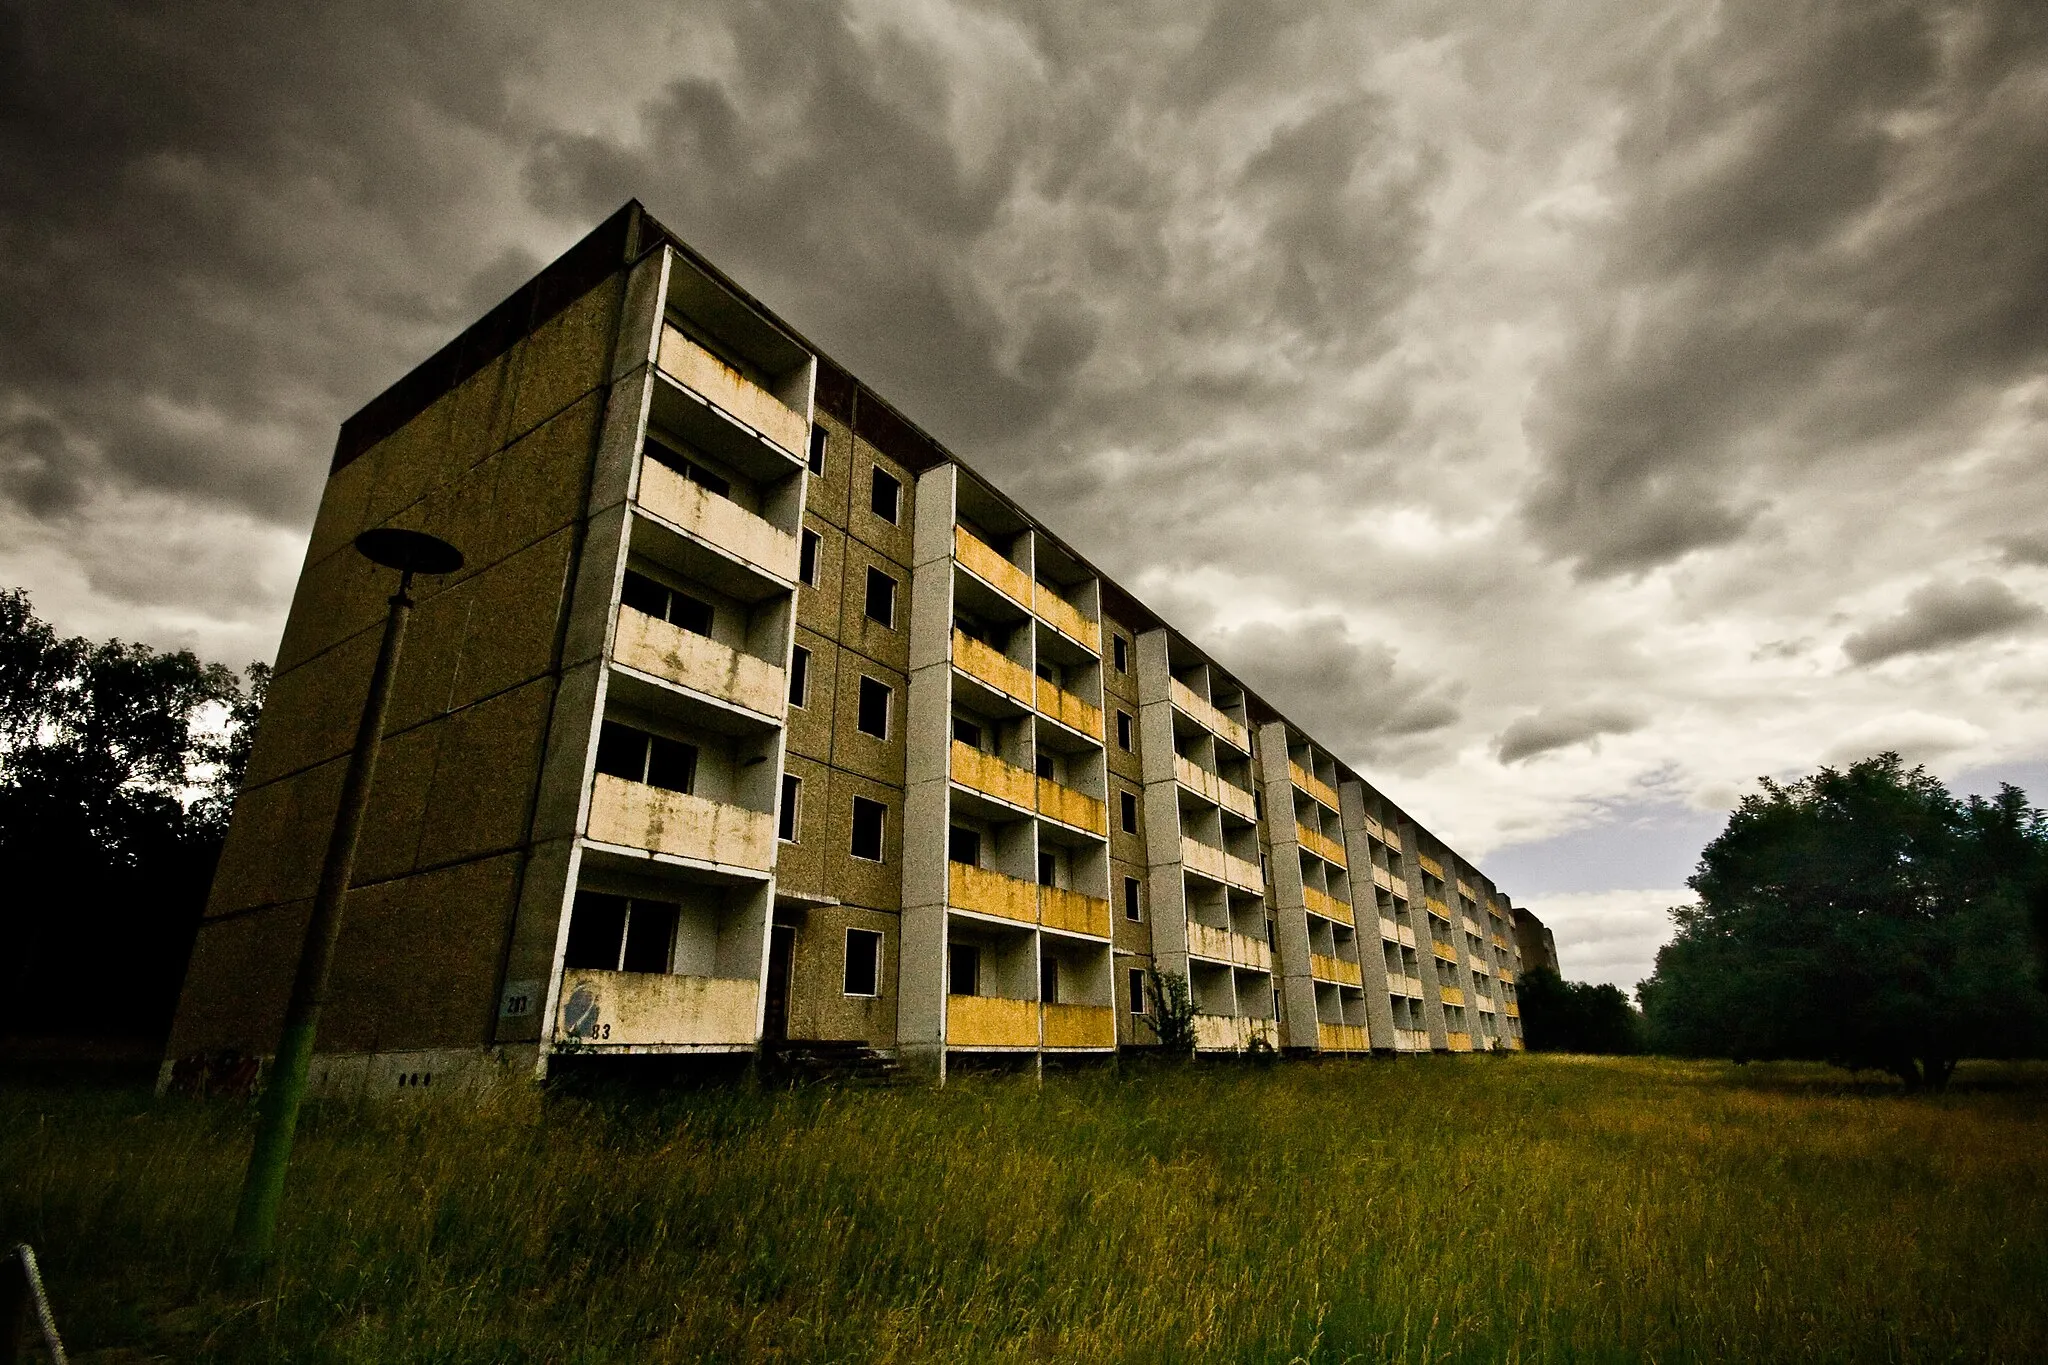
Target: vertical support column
x,y
1290,906
1365,909
1425,949
921,952
1165,886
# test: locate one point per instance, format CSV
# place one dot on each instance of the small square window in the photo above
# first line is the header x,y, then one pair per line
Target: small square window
x,y
1136,978
881,598
1045,766
644,595
597,929
621,751
869,819
967,732
963,845
671,764
691,613
1123,731
799,677
1120,651
963,969
790,822
863,962
807,558
818,438
650,936
1127,807
1132,910
885,495
874,707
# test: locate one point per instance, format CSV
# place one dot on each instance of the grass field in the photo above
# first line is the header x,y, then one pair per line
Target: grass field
x,y
1436,1209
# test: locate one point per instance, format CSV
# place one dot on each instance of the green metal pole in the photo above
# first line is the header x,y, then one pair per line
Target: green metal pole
x,y
277,1115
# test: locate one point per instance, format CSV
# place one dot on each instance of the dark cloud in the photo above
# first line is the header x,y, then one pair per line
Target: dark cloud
x,y
1940,615
1562,727
2029,548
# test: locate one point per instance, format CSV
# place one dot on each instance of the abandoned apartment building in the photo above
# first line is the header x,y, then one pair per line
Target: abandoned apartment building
x,y
755,718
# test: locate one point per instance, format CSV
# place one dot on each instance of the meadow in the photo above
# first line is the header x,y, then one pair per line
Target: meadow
x,y
1432,1209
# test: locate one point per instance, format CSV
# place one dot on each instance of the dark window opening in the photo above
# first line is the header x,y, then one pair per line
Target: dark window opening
x,y
640,757
1123,731
963,845
967,732
807,558
963,969
881,599
799,677
1049,980
1121,652
664,603
885,496
613,934
1127,807
863,974
1047,672
682,464
790,822
1136,978
868,823
873,718
1044,764
671,764
818,438
650,937
1131,907
1047,869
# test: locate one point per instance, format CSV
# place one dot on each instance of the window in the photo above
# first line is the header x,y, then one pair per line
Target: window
x,y
873,718
881,603
863,962
799,677
1131,907
963,969
639,757
967,732
1120,650
963,845
1049,980
1048,671
1048,869
614,934
791,819
1136,977
885,495
688,468
868,820
1127,807
807,558
664,603
1123,731
1044,764
817,461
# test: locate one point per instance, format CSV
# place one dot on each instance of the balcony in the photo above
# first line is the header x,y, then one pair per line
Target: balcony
x,y
1437,908
1389,930
635,815
1320,844
697,662
1410,986
726,389
1512,1010
983,892
1382,878
1444,950
1407,937
1208,716
656,1010
716,520
1375,829
1460,1042
1073,912
1080,1026
1326,905
1471,926
1208,785
1391,837
1063,616
991,776
1411,1040
985,563
1430,865
1483,1003
1450,995
1312,784
995,668
1479,964
1506,974
1069,710
1219,866
1223,945
1500,941
1336,969
991,1021
1226,1033
1341,1037
1070,807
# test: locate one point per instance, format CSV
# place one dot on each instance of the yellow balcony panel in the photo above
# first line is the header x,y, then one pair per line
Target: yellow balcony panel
x,y
1341,1037
1066,618
1243,874
1506,974
635,815
1471,926
698,662
1411,1040
654,1009
1465,890
1514,1044
1202,858
716,520
1374,828
1313,785
991,776
1511,1010
1500,941
1430,865
732,392
1070,807
994,667
1328,906
1391,837
1059,908
1080,1026
1460,1042
1227,1033
1443,950
1068,709
1320,844
1324,968
1450,995
1223,945
1437,908
985,892
988,564
1204,783
1207,715
1389,930
991,1021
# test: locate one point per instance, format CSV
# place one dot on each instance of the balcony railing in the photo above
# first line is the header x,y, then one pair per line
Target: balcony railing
x,y
1437,908
1430,865
986,892
1407,937
1374,828
988,564
1460,1042
1320,844
654,1009
698,662
1325,968
717,520
1391,837
1313,785
1465,890
1328,906
1479,963
1450,995
635,815
1506,974
1511,1010
1411,1040
1059,908
1444,950
990,776
1066,618
1080,1026
1410,986
995,668
991,1021
732,392
1341,1037
1500,941
1070,807
1207,715
1204,783
1224,945
1389,930
1227,1033
1471,927
1483,1003
1217,865
1382,878
1068,709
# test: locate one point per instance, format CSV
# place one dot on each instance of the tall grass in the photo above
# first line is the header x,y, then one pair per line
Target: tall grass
x,y
1429,1210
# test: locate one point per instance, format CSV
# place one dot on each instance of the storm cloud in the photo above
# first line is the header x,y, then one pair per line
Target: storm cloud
x,y
1940,615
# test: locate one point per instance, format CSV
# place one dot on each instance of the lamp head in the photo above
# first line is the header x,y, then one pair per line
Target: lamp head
x,y
408,551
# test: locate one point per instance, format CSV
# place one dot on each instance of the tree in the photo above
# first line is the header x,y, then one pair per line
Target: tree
x,y
1574,1016
1865,918
114,799
1172,1015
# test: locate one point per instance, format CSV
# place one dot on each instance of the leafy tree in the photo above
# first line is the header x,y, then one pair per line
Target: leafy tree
x,y
1863,917
114,800
1172,1015
1574,1016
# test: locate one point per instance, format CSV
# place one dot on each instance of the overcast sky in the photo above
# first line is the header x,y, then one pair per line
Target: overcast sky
x,y
1569,412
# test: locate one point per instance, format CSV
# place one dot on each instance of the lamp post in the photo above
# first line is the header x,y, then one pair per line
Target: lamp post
x,y
277,1116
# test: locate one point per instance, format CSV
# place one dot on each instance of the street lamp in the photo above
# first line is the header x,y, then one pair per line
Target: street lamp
x,y
277,1115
